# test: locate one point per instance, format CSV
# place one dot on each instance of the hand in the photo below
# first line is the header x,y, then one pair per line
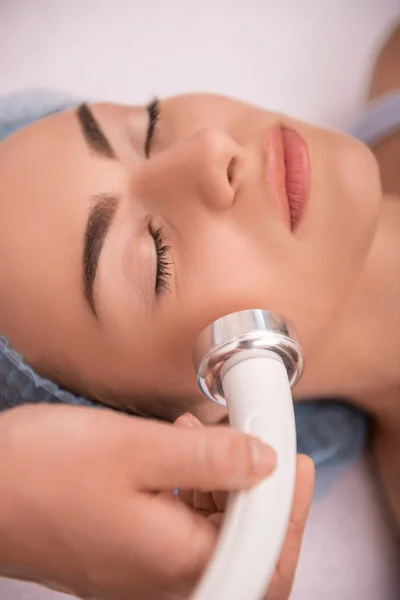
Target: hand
x,y
78,508
212,505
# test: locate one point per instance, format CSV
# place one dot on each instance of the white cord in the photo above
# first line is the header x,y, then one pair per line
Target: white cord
x,y
258,395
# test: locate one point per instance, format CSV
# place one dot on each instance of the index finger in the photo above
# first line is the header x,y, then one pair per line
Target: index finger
x,y
205,459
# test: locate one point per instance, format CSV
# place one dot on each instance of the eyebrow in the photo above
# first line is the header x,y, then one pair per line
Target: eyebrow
x,y
93,134
101,215
103,206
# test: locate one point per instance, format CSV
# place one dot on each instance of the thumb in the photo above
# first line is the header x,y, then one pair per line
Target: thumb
x,y
204,459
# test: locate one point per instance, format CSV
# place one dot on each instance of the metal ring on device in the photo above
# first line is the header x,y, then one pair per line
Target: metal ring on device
x,y
254,329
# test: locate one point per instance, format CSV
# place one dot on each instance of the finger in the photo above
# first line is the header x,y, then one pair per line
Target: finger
x,y
203,502
202,459
186,420
216,519
187,497
220,500
282,581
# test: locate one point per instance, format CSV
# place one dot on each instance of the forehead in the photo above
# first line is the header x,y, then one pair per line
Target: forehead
x,y
36,192
46,168
31,158
46,179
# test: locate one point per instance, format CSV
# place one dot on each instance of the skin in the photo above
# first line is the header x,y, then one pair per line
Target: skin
x,y
77,514
230,247
336,279
212,506
386,442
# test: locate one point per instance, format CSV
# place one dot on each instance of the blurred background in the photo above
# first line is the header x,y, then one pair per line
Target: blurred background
x,y
310,58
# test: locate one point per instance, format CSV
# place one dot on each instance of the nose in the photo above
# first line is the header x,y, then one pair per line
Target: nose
x,y
202,168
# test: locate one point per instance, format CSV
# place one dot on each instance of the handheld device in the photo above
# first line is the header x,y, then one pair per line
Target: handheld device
x,y
248,361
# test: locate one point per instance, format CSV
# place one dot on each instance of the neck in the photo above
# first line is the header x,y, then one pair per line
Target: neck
x,y
360,360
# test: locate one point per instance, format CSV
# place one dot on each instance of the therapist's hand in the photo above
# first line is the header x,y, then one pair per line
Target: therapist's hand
x,y
80,508
212,506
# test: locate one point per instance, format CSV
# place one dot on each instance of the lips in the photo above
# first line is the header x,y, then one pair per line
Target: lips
x,y
288,172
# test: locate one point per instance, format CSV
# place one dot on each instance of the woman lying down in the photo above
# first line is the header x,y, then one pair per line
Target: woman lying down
x,y
125,230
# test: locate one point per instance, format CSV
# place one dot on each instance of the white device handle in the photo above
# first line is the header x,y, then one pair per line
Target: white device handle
x,y
257,391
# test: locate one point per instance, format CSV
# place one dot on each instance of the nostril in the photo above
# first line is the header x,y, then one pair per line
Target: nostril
x,y
231,170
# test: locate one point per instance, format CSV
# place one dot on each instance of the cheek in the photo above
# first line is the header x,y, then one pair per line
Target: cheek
x,y
333,241
238,275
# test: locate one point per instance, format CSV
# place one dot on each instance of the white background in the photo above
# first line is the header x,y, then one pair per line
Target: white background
x,y
310,58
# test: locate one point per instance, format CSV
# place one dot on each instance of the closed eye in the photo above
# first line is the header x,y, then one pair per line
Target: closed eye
x,y
163,251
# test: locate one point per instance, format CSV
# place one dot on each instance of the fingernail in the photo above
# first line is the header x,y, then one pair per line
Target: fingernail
x,y
195,421
187,420
192,421
263,458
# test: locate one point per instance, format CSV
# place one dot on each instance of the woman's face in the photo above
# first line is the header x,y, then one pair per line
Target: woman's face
x,y
118,249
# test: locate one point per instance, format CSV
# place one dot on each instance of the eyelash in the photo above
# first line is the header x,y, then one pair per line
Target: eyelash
x,y
163,260
153,110
162,249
